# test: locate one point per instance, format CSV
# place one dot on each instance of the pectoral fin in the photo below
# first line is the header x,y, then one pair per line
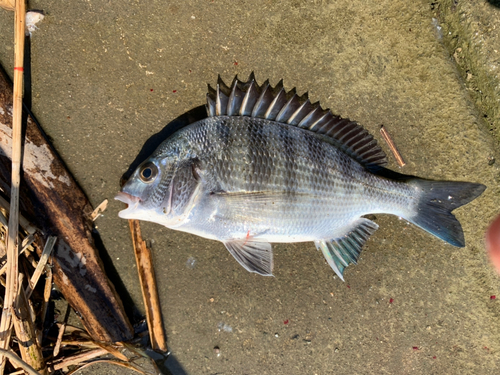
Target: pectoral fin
x,y
255,256
340,252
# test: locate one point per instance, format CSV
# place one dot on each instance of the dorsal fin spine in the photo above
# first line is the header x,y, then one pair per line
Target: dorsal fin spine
x,y
217,103
276,104
273,104
295,114
231,101
304,122
313,126
260,101
281,114
245,100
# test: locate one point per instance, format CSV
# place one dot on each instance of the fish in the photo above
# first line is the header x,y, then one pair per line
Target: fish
x,y
268,166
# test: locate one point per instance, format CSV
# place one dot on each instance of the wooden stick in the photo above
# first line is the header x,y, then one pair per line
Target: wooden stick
x,y
15,359
25,332
144,260
49,245
12,238
392,146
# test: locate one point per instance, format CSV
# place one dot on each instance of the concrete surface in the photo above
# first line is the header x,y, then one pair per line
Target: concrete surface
x,y
109,75
471,33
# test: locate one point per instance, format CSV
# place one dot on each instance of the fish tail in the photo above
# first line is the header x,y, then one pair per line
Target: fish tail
x,y
437,200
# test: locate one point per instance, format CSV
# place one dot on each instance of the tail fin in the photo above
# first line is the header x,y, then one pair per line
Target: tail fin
x,y
437,200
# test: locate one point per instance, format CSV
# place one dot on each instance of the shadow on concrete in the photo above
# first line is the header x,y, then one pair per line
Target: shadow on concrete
x,y
495,3
167,365
171,367
131,310
155,140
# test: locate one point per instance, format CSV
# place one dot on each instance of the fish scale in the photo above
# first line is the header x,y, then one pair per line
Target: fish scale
x,y
268,166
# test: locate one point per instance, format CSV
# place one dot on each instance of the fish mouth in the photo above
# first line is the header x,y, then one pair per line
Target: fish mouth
x,y
132,201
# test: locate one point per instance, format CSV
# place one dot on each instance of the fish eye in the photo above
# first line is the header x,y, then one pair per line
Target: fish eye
x,y
148,172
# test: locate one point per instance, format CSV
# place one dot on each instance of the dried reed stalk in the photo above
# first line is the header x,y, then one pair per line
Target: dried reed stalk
x,y
144,260
27,242
76,359
130,366
49,245
25,224
7,4
25,332
12,239
62,328
46,297
16,360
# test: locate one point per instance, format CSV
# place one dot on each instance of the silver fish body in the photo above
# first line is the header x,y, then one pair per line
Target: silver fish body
x,y
252,174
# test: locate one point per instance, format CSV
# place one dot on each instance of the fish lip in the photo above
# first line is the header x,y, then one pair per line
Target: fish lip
x,y
132,202
127,198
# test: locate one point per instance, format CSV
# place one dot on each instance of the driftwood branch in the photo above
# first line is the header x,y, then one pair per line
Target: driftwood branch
x,y
63,210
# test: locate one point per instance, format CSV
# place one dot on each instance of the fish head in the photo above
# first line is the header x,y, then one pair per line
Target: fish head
x,y
161,190
148,192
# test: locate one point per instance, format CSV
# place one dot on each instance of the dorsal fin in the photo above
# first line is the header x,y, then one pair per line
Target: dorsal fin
x,y
277,104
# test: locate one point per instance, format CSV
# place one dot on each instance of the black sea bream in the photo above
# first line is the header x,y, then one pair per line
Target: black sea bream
x,y
268,166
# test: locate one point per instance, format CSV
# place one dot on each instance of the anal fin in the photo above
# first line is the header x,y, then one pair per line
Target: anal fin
x,y
345,250
254,255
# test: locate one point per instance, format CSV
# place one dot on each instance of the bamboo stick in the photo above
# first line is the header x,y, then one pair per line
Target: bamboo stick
x,y
12,239
144,260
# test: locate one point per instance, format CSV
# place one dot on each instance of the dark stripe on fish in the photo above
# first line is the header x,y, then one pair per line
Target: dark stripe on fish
x,y
318,158
290,153
223,133
257,143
